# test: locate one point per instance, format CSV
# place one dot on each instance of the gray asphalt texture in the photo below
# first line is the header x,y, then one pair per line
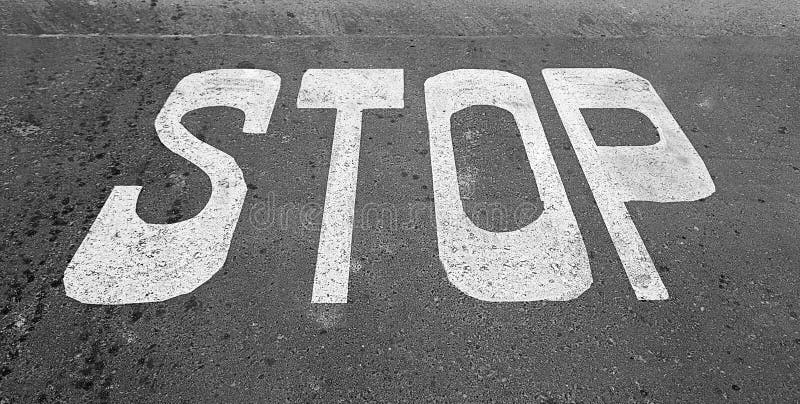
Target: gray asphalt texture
x,y
82,83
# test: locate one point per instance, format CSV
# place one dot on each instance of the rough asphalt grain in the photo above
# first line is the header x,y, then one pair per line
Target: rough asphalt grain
x,y
83,81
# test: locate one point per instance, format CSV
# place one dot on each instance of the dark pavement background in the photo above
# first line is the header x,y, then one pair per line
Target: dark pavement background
x,y
76,119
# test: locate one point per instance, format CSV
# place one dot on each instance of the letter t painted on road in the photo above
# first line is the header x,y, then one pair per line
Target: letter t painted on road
x,y
349,91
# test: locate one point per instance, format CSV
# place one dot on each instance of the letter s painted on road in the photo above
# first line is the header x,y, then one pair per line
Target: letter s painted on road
x,y
125,260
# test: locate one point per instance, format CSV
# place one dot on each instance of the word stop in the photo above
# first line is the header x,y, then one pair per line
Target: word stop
x,y
126,260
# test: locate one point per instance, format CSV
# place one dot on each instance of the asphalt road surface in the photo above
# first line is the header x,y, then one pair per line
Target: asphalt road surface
x,y
83,83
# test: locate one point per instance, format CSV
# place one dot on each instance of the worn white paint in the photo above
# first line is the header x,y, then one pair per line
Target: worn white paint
x,y
349,91
125,260
545,260
668,171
